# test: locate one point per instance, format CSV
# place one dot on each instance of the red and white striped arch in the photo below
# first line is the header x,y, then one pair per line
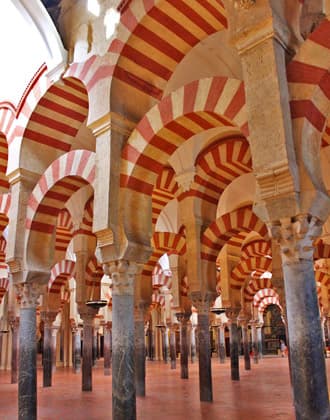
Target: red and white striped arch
x,y
218,165
270,300
60,274
220,231
87,221
309,81
94,274
57,117
65,176
322,250
13,119
167,30
3,244
245,267
262,293
5,200
198,106
256,248
322,278
161,277
163,192
4,286
7,119
64,230
157,300
254,286
164,242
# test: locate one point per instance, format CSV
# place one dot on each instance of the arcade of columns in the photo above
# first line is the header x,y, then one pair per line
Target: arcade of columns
x,y
199,130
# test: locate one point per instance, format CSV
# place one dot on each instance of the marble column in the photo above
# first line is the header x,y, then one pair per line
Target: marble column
x,y
193,344
234,343
166,344
14,327
87,314
328,329
308,372
27,379
107,344
254,336
201,301
55,329
47,358
94,346
245,339
173,347
123,274
76,349
183,318
259,337
221,343
140,349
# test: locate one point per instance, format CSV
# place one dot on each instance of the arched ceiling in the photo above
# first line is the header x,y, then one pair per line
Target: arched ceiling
x,y
29,40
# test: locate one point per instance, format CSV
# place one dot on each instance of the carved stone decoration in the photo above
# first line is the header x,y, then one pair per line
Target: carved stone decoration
x,y
202,301
123,274
244,4
29,294
296,236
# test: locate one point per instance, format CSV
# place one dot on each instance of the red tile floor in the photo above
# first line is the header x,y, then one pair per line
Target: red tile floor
x,y
262,393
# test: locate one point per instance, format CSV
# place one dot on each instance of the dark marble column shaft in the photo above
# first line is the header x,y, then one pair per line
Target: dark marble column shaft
x,y
305,340
245,338
94,347
193,344
14,326
107,349
87,360
221,344
54,342
255,347
76,350
259,336
173,348
123,361
166,345
140,363
204,359
184,349
27,377
234,351
47,356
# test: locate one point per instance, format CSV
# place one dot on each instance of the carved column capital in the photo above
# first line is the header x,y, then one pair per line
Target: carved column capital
x,y
202,301
232,314
123,274
87,314
183,317
244,4
28,294
48,317
295,237
13,322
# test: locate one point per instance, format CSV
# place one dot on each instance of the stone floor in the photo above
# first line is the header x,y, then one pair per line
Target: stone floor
x,y
262,393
